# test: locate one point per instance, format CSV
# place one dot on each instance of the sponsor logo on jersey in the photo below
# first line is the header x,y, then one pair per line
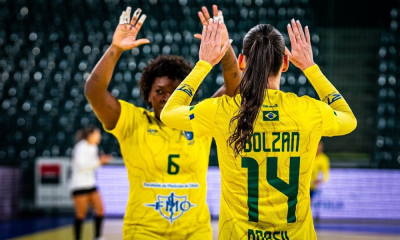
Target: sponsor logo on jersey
x,y
187,89
270,116
269,106
332,97
152,131
189,135
171,207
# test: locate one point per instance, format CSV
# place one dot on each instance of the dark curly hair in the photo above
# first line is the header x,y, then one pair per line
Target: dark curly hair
x,y
173,67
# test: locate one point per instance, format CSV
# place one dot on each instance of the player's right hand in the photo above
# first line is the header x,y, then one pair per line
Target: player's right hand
x,y
204,17
125,35
210,47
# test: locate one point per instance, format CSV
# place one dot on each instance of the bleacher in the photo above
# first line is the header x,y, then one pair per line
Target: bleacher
x,y
387,149
48,49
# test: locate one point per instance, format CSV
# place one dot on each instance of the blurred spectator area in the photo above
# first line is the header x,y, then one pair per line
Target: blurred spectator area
x,y
48,49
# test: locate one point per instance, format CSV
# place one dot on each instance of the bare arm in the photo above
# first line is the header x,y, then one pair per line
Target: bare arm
x,y
105,106
231,73
230,68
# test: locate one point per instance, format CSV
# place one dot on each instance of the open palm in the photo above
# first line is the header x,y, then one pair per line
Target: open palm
x,y
127,30
205,19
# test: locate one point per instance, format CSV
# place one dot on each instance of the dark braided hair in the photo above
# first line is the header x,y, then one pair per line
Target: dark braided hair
x,y
264,48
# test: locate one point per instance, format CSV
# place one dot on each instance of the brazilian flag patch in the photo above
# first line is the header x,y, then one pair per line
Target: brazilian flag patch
x,y
270,116
191,116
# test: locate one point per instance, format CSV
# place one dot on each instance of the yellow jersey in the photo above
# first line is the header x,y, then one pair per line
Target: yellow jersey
x,y
321,165
265,191
167,174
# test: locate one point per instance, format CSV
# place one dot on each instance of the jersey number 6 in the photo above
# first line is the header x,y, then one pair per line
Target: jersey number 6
x,y
290,190
173,168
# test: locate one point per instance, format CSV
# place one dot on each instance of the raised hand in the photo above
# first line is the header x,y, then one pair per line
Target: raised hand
x,y
205,19
125,35
301,55
210,47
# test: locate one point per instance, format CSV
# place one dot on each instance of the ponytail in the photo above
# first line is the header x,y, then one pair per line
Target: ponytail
x,y
264,49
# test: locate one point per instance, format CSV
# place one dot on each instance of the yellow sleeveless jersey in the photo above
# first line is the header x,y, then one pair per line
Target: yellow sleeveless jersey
x,y
167,174
266,191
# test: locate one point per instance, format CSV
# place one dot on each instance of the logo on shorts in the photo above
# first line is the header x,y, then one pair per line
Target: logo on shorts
x,y
171,207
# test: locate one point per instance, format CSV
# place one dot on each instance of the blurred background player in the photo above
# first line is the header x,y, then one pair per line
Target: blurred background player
x,y
85,161
156,156
266,139
320,171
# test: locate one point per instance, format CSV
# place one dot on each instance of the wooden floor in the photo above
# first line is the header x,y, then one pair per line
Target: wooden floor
x,y
113,231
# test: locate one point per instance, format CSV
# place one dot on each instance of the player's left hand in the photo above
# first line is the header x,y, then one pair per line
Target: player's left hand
x,y
204,17
210,47
301,55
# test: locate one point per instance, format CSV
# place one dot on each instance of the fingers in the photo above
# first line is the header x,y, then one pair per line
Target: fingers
x,y
121,18
220,16
198,36
226,46
206,14
204,33
300,29
203,20
215,11
140,42
296,31
218,30
136,15
139,24
125,16
128,14
292,37
308,38
209,29
215,29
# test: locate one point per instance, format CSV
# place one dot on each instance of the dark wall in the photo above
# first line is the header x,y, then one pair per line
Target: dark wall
x,y
352,13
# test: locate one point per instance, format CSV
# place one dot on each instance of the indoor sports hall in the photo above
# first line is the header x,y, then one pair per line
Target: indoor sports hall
x,y
49,50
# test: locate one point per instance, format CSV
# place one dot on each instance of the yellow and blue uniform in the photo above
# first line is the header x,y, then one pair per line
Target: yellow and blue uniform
x,y
167,175
321,165
265,190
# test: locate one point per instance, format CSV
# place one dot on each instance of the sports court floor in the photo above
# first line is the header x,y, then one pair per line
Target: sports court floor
x,y
61,229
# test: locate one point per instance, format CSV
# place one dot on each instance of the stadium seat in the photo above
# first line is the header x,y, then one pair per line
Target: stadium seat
x,y
47,61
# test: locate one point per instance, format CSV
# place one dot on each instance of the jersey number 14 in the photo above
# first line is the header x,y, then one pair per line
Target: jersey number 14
x,y
290,190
